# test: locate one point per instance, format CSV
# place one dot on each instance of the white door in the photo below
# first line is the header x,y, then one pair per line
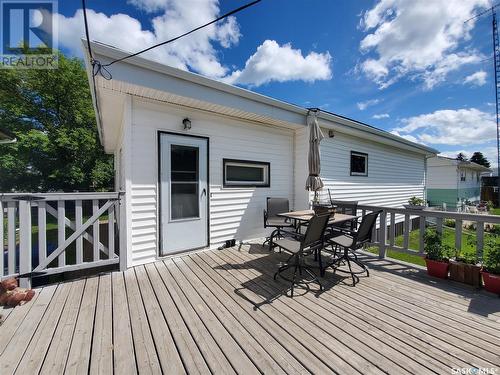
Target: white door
x,y
184,193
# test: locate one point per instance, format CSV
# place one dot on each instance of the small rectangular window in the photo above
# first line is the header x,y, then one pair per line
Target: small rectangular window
x,y
463,176
359,164
246,173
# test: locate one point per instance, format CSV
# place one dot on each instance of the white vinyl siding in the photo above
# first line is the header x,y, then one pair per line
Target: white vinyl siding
x,y
235,213
393,175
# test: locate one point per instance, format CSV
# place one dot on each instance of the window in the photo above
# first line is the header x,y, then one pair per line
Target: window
x,y
477,176
463,175
359,164
245,173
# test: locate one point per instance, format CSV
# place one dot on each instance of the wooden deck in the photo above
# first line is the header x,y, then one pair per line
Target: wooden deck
x,y
221,312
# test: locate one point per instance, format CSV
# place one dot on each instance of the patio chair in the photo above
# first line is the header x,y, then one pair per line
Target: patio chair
x,y
347,208
275,206
311,242
349,243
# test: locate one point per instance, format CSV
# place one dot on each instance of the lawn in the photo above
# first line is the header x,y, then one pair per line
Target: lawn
x,y
495,211
468,244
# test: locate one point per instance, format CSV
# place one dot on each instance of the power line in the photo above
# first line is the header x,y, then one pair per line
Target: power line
x,y
482,13
98,68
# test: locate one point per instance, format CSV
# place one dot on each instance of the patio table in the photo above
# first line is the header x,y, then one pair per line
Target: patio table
x,y
306,215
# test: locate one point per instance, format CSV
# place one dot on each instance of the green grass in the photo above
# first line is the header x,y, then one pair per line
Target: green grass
x,y
409,258
468,244
495,211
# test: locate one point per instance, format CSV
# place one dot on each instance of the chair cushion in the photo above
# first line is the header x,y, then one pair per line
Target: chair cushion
x,y
277,222
342,240
289,245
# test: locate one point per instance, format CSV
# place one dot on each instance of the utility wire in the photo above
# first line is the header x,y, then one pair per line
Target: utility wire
x,y
98,68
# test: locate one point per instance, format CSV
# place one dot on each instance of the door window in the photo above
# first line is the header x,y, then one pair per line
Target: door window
x,y
184,179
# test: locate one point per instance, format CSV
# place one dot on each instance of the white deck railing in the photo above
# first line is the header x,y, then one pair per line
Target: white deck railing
x,y
385,236
48,233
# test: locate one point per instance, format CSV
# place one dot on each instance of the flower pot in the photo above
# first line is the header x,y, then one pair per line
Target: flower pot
x,y
491,282
437,268
465,273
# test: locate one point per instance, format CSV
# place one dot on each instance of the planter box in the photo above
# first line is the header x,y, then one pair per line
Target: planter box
x,y
491,282
465,273
412,207
437,269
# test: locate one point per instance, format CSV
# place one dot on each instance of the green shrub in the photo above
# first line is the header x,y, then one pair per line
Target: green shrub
x,y
414,201
491,254
449,223
468,255
434,247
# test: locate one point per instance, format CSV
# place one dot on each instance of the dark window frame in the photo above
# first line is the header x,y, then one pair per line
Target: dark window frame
x,y
250,184
358,174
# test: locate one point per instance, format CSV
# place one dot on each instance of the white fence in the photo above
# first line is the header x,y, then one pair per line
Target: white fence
x,y
385,236
43,234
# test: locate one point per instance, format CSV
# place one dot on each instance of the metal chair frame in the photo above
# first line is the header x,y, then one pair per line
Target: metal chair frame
x,y
359,238
312,242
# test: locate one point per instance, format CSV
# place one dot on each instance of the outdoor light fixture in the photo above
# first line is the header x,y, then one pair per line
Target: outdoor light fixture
x,y
331,134
187,123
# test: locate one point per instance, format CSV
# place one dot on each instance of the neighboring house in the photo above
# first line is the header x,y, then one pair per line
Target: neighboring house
x,y
453,182
197,158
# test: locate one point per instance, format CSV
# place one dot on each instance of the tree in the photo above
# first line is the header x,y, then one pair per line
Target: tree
x,y
461,156
51,114
479,158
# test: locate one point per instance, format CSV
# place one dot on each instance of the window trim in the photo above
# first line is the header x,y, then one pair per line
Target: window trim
x,y
265,165
358,174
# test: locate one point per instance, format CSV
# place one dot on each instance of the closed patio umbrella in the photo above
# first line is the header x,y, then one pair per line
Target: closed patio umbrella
x,y
313,182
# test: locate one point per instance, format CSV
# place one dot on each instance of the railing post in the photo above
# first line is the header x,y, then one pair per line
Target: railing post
x,y
383,235
61,231
421,231
1,240
11,238
406,232
458,234
392,229
479,238
439,225
25,242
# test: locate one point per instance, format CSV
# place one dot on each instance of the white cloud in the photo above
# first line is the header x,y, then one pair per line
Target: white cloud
x,y
477,78
368,103
381,116
411,38
198,51
150,6
272,62
195,52
450,127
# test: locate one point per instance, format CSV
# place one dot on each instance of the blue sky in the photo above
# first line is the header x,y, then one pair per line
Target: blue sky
x,y
412,67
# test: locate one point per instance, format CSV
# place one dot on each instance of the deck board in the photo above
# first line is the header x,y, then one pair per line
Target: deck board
x,y
222,312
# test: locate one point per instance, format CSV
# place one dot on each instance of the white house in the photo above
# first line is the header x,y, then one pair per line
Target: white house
x,y
452,181
196,158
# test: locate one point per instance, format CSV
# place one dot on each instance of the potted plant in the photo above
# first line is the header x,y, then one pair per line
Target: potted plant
x,y
464,268
491,264
437,254
415,203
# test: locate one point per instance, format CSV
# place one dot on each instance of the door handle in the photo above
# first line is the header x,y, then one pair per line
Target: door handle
x,y
204,192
